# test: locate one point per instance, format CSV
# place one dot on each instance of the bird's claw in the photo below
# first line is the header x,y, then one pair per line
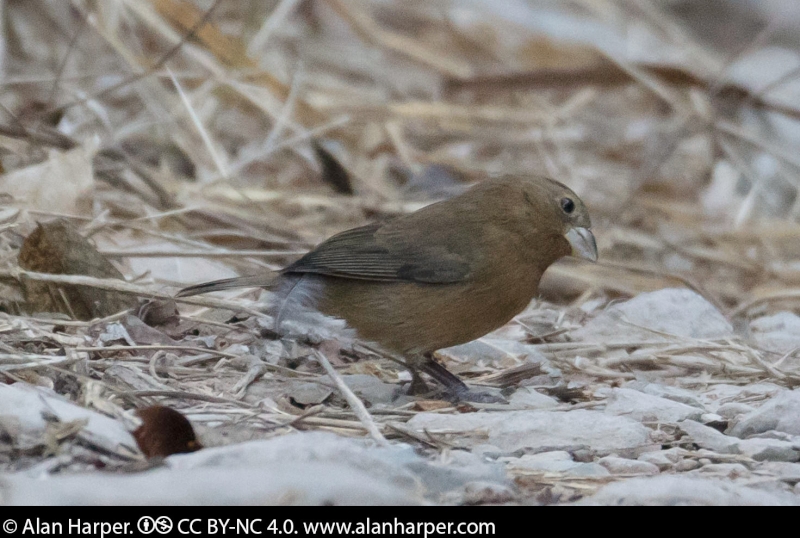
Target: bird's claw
x,y
475,396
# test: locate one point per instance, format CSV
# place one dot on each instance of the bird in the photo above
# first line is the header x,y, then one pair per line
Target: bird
x,y
446,274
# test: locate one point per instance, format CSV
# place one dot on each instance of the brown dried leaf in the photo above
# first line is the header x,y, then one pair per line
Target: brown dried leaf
x,y
164,432
228,51
57,248
333,173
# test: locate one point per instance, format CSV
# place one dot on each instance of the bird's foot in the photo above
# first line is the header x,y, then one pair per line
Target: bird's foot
x,y
476,396
455,389
419,388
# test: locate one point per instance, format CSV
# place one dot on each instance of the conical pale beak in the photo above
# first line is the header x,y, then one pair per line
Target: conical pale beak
x,y
583,243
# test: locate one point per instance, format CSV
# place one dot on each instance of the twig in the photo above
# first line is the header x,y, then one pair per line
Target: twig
x,y
368,30
70,48
738,132
222,168
271,23
766,298
355,403
155,67
184,394
226,254
110,284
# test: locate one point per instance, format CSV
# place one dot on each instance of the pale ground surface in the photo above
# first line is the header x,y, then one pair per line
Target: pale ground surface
x,y
666,374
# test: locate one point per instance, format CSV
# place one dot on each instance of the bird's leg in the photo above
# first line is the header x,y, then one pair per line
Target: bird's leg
x,y
441,374
457,388
418,385
417,364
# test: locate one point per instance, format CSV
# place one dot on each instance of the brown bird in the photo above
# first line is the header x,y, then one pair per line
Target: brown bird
x,y
441,276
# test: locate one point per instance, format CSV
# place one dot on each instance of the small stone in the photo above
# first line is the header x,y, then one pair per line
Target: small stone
x,y
707,418
582,455
707,437
728,470
675,454
684,490
647,408
779,333
782,413
588,469
734,409
456,469
789,472
677,311
307,394
676,394
774,434
554,455
556,461
486,450
371,389
769,450
660,437
686,465
659,459
528,398
625,466
722,393
487,493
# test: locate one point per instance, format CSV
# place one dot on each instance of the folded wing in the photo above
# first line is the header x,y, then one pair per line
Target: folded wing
x,y
368,253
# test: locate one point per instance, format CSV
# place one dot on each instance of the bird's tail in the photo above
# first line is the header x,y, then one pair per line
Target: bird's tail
x,y
263,280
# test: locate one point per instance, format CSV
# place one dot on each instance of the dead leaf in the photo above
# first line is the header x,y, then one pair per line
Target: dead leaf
x,y
164,431
57,248
333,173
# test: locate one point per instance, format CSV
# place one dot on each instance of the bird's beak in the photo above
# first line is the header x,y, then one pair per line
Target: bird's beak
x,y
583,243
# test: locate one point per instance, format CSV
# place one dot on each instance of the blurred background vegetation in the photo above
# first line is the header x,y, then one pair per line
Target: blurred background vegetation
x,y
176,131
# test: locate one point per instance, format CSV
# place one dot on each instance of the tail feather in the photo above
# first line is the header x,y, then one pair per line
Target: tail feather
x,y
253,281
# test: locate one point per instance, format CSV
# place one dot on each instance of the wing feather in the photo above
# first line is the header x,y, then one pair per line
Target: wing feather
x,y
365,254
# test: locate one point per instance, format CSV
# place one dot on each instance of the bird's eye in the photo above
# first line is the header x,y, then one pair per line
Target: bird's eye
x,y
567,205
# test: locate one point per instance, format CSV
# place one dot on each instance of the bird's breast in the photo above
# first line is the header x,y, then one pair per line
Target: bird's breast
x,y
410,318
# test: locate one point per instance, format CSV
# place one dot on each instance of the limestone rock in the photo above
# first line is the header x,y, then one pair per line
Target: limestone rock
x,y
676,311
672,490
779,333
647,408
625,466
781,413
517,430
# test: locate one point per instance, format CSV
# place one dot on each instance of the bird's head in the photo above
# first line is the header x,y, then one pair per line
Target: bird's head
x,y
556,207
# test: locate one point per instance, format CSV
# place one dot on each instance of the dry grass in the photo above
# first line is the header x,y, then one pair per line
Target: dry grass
x,y
195,121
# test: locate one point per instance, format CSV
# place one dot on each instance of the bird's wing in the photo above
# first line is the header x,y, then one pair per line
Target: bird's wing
x,y
366,254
